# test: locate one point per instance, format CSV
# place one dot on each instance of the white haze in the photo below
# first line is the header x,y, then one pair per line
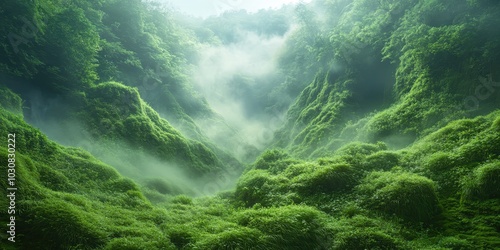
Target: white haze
x,y
205,8
253,57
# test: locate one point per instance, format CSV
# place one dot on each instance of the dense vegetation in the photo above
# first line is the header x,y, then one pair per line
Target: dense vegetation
x,y
391,138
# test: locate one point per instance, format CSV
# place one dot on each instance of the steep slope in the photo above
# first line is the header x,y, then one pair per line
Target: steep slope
x,y
394,71
65,197
69,83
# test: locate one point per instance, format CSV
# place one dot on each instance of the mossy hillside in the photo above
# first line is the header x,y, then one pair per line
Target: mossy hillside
x,y
356,197
455,151
113,111
410,197
484,183
438,75
10,101
321,103
109,211
461,158
445,182
278,178
152,52
66,198
149,51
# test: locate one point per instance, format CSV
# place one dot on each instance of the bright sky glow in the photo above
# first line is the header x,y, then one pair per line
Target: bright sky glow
x,y
204,8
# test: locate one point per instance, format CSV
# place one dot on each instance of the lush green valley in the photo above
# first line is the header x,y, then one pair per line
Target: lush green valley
x,y
331,124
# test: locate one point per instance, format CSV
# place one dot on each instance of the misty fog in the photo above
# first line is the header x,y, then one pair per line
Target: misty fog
x,y
236,78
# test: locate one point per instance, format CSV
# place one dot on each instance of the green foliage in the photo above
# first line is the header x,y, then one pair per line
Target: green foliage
x,y
439,162
289,227
484,183
382,160
244,238
60,225
10,101
361,232
76,51
55,180
327,179
258,186
456,243
135,122
137,243
408,196
366,240
274,161
182,199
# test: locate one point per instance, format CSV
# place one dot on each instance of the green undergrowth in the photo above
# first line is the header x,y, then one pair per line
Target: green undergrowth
x,y
363,196
66,198
442,192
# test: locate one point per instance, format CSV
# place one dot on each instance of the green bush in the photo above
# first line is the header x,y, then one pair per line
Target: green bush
x,y
182,199
180,236
55,180
454,243
122,185
496,124
439,162
258,186
365,239
488,180
485,183
10,101
359,148
137,243
355,153
299,169
327,179
408,196
382,160
55,224
275,161
231,239
288,227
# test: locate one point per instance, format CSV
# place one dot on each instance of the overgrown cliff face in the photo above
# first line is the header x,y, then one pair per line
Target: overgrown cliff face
x,y
395,71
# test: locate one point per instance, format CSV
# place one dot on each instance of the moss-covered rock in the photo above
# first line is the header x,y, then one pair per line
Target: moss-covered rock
x,y
408,196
